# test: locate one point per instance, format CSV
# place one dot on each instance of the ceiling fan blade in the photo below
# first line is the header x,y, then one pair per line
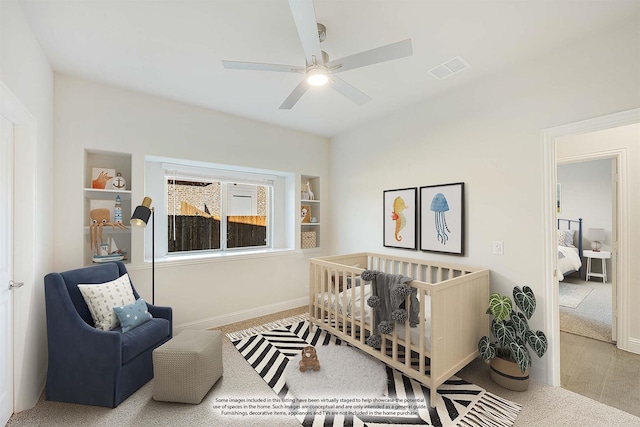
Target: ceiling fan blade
x,y
348,90
304,16
380,54
235,65
294,96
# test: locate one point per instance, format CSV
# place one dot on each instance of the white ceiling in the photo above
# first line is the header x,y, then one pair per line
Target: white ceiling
x,y
173,49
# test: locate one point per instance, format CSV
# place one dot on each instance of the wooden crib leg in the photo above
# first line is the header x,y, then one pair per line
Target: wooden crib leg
x,y
434,395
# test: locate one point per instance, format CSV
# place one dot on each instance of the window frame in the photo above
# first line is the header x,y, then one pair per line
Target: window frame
x,y
280,211
225,192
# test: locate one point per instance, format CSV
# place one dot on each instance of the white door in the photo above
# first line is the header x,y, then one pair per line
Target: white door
x,y
6,270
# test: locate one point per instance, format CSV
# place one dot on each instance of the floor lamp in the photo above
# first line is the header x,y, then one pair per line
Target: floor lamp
x,y
140,218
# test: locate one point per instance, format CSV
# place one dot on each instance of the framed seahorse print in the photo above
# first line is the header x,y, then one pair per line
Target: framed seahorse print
x,y
442,218
400,216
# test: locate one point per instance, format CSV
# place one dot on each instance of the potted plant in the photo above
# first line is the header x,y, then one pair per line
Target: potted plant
x,y
509,355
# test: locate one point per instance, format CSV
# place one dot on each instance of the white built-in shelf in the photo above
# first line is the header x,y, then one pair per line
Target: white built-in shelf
x,y
308,229
96,193
94,198
106,230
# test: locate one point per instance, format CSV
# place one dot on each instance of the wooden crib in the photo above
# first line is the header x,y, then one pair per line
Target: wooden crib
x,y
453,302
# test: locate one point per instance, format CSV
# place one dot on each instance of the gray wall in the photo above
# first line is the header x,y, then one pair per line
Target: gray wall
x,y
587,194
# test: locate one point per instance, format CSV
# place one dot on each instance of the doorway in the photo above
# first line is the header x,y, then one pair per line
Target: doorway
x,y
588,297
622,263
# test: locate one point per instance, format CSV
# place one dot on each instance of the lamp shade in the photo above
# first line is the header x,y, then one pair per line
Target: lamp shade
x,y
141,215
596,234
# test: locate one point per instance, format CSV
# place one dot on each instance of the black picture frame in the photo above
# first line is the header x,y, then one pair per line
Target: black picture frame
x,y
400,218
442,218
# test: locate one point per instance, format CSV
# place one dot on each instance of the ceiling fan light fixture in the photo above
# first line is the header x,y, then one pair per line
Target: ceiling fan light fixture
x,y
317,77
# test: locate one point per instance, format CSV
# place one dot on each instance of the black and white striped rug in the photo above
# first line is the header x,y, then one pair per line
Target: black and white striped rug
x,y
269,348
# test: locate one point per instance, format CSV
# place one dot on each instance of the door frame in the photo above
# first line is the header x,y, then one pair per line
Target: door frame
x,y
552,311
6,291
24,251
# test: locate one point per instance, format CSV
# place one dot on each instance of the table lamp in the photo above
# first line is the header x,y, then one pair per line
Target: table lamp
x,y
597,236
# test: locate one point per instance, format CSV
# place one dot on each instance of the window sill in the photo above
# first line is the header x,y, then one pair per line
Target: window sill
x,y
214,257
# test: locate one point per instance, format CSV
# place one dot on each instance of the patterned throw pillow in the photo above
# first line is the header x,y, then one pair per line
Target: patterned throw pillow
x,y
132,315
103,297
565,237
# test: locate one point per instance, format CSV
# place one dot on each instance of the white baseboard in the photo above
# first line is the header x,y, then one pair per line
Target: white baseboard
x,y
633,345
239,316
537,373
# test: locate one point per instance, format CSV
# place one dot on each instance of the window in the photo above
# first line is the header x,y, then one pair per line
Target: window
x,y
210,210
200,211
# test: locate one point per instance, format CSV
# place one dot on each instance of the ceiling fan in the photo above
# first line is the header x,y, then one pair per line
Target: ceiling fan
x,y
319,70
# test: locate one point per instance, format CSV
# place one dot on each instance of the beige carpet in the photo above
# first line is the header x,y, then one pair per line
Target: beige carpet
x,y
542,405
572,295
591,316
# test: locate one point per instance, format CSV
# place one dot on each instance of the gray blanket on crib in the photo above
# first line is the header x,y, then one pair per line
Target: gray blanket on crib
x,y
389,292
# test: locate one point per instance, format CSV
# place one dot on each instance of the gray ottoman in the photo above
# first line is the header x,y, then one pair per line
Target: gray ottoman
x,y
187,366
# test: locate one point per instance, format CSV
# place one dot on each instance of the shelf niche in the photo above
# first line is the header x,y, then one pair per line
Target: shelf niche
x,y
96,198
310,212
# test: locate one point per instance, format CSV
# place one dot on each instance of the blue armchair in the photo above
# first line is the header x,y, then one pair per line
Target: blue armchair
x,y
92,366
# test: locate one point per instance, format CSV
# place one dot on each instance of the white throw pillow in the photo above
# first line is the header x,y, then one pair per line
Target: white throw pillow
x,y
103,297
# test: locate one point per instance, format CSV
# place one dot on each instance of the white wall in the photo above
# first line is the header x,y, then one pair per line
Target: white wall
x,y
587,194
489,137
202,294
26,72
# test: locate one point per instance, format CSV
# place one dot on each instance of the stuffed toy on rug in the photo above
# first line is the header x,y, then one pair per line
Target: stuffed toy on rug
x,y
389,293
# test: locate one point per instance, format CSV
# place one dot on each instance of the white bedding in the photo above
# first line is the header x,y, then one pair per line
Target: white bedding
x,y
568,260
400,327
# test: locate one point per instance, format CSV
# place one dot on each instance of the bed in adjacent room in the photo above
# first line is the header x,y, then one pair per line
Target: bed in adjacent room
x,y
569,247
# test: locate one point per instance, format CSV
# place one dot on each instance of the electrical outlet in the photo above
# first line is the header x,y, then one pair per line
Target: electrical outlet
x,y
498,247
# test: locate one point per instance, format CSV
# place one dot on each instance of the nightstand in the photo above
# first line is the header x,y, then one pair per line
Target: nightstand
x,y
603,256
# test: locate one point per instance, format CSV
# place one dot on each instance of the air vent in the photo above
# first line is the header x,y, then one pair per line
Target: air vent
x,y
449,68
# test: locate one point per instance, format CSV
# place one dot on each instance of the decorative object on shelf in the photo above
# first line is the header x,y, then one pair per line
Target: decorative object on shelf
x,y
400,215
305,214
101,178
119,183
511,330
140,218
100,218
309,240
104,249
308,194
597,237
117,212
442,218
103,204
309,359
314,220
109,252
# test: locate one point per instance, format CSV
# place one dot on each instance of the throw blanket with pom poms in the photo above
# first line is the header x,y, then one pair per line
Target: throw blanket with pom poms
x,y
389,292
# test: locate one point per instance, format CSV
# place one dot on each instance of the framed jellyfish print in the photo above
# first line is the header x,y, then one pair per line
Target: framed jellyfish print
x,y
400,217
442,218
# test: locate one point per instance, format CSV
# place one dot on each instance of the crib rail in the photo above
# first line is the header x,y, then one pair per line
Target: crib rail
x,y
454,295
